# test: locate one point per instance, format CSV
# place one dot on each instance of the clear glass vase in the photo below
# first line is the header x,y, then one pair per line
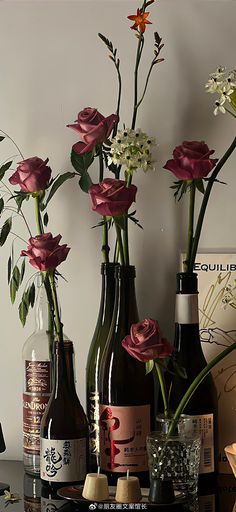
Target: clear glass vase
x,y
174,455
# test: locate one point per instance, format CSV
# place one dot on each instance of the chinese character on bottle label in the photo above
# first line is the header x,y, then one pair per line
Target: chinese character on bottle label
x,y
123,432
204,425
63,460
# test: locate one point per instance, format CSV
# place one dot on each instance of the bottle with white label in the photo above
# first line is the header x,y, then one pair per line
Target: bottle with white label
x,y
37,383
64,427
126,393
189,354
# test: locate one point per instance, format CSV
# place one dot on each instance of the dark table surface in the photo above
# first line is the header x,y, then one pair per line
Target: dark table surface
x,y
32,500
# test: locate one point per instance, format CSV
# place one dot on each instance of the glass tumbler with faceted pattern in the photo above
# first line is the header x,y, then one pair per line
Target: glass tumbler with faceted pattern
x,y
175,457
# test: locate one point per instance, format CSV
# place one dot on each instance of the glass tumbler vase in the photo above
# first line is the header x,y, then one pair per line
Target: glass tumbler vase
x,y
174,455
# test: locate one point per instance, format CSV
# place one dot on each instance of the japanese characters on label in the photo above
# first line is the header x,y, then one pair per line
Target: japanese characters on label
x,y
63,460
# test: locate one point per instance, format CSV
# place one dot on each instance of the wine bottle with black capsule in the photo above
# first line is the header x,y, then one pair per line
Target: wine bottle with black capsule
x,y
126,392
189,354
64,426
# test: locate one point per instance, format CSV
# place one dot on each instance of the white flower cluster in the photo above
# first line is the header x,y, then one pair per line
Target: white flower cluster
x,y
223,83
132,148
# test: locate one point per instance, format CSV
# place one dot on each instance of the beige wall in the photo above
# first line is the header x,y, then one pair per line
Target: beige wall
x,y
52,65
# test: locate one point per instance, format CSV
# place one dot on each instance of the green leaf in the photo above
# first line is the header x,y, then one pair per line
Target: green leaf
x,y
6,228
56,184
23,311
149,366
179,370
22,272
1,204
32,295
200,186
85,182
1,138
13,290
9,270
16,276
45,219
81,163
5,168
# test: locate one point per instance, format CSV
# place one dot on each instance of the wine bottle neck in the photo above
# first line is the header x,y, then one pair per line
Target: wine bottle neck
x,y
64,369
41,310
126,303
107,293
186,309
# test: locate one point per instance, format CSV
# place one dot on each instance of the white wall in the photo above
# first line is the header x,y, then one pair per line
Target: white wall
x,y
52,65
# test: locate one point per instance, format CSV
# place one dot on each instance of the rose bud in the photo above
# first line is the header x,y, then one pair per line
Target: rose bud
x,y
45,253
112,197
33,175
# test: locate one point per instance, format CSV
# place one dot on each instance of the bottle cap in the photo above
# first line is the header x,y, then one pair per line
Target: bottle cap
x,y
187,282
125,271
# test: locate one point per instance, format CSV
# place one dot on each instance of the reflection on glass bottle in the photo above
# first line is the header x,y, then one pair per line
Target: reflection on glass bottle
x,y
50,501
32,494
36,383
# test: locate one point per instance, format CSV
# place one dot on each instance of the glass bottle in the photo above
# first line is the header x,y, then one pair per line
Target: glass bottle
x,y
37,383
189,354
32,493
94,359
64,427
126,393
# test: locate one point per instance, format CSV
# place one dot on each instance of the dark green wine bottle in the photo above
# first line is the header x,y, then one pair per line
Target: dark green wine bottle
x,y
94,360
189,354
126,392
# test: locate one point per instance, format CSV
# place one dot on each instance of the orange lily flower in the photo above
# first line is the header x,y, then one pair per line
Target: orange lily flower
x,y
140,20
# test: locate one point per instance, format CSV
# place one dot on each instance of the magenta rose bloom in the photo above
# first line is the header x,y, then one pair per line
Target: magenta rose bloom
x,y
93,128
112,197
145,341
191,161
45,253
32,175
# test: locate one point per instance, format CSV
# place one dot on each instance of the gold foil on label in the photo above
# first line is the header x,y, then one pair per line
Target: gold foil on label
x,y
123,432
94,423
186,309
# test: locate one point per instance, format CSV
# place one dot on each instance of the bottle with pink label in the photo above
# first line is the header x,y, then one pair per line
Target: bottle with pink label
x,y
126,392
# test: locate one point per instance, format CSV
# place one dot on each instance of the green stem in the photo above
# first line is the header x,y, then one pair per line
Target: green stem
x,y
38,216
163,389
17,147
146,83
105,246
101,166
190,224
138,57
196,382
120,244
126,230
117,64
205,202
229,112
59,325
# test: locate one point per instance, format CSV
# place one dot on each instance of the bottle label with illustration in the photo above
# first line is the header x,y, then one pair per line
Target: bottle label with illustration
x,y
123,432
33,409
186,308
93,417
38,376
204,425
63,460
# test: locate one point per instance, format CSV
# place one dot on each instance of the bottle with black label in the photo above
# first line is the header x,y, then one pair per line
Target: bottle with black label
x,y
37,383
189,354
64,426
126,392
94,360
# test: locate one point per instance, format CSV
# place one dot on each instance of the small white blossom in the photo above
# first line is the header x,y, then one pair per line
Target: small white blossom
x,y
223,83
132,148
219,107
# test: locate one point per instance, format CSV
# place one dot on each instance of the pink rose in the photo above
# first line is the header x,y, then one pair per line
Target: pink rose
x,y
45,253
93,128
32,175
112,197
145,341
191,161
